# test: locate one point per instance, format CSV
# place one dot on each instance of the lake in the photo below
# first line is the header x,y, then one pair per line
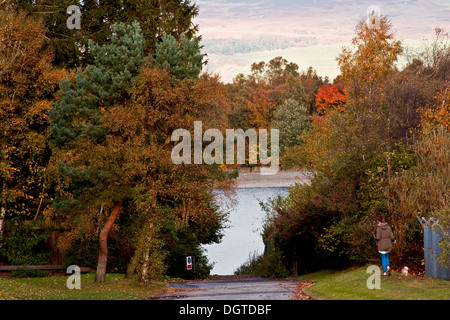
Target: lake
x,y
242,238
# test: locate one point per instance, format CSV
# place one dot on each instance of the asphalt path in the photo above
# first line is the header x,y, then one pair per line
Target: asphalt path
x,y
232,288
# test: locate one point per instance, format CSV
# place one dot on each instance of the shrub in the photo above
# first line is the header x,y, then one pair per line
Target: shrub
x,y
24,244
28,273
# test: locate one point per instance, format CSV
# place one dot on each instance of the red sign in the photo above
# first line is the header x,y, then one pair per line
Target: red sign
x,y
189,262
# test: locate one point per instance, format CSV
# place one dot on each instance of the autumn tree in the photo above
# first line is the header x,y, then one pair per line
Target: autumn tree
x,y
330,96
28,85
255,97
372,59
352,153
87,153
311,83
182,192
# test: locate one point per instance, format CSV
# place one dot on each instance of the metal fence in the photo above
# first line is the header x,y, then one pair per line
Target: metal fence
x,y
432,235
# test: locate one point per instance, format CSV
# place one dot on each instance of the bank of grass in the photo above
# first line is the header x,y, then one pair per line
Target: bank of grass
x,y
352,285
116,287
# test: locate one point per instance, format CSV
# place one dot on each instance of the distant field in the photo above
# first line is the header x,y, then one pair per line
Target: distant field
x,y
320,57
351,285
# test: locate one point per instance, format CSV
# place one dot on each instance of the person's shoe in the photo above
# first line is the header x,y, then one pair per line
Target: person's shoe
x,y
388,269
384,274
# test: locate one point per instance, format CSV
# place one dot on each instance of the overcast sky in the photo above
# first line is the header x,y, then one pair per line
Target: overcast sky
x,y
326,24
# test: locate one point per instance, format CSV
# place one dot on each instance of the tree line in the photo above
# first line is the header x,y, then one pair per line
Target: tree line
x,y
378,144
86,118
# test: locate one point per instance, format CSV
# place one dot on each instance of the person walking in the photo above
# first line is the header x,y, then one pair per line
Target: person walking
x,y
385,238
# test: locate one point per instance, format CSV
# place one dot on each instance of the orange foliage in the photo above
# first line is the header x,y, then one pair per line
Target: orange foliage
x,y
330,96
431,118
261,105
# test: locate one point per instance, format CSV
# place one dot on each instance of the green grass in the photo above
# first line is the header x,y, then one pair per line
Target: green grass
x,y
115,287
351,285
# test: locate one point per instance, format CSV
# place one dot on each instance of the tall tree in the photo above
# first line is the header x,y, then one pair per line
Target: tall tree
x,y
28,84
255,97
374,56
165,103
182,58
87,153
156,18
353,152
168,17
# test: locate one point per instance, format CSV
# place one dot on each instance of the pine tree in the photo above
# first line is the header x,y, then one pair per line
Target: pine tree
x,y
156,18
162,17
85,148
182,59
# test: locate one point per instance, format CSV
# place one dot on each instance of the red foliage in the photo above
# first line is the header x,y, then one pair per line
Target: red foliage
x,y
331,96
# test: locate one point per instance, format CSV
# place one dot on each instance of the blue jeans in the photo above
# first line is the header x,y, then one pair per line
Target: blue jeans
x,y
384,260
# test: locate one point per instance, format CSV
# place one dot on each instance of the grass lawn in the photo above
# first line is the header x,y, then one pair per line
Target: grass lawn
x,y
351,285
54,288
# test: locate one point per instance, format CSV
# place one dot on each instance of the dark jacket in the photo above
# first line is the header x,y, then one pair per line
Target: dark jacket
x,y
384,237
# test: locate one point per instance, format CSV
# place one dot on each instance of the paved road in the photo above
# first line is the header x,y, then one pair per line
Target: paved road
x,y
232,288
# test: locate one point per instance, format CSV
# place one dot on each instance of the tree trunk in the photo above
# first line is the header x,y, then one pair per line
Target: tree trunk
x,y
145,266
103,243
4,186
133,264
147,261
3,207
2,218
40,203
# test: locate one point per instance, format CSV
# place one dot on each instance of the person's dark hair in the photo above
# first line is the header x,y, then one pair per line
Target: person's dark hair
x,y
381,219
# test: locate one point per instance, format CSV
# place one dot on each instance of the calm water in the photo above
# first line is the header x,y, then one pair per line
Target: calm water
x,y
243,236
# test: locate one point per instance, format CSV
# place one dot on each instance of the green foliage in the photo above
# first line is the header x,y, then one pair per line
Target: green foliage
x,y
182,59
100,86
28,273
421,190
293,120
366,164
106,130
255,97
168,17
24,244
267,265
188,240
383,166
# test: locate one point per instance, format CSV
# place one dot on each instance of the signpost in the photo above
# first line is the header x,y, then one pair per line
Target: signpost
x,y
189,263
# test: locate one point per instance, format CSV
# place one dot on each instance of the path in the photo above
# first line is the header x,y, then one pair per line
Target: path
x,y
232,288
